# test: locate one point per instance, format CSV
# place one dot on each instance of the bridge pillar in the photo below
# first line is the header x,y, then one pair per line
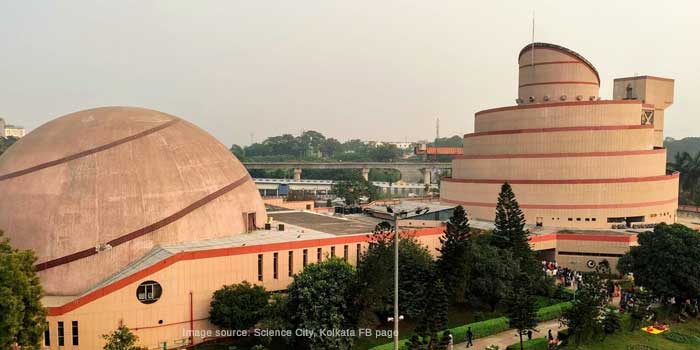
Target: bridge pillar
x,y
297,174
426,175
365,174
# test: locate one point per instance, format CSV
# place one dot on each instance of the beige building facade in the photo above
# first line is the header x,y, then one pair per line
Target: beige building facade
x,y
573,159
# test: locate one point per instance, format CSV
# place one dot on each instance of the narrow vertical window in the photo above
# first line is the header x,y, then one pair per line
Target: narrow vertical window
x,y
306,257
333,252
275,265
47,335
345,252
260,267
359,252
61,341
319,255
74,330
291,263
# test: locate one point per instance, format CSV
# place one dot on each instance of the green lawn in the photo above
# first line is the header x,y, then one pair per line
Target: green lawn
x,y
621,340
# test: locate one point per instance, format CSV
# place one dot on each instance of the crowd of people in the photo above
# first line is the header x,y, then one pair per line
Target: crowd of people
x,y
565,276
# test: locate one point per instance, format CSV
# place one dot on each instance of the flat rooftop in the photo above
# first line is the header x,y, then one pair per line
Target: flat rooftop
x,y
324,223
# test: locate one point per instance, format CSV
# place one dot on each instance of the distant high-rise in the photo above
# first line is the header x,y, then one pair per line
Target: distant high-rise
x,y
573,160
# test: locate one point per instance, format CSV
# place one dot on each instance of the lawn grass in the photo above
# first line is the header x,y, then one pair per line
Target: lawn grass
x,y
625,337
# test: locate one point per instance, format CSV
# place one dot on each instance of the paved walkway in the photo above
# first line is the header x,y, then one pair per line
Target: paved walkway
x,y
510,336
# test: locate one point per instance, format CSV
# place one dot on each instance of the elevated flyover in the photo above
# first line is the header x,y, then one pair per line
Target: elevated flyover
x,y
410,171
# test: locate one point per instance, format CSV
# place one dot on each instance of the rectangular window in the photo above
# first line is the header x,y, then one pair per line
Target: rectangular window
x,y
306,257
319,255
345,252
260,267
275,265
291,263
359,253
74,328
333,252
47,335
61,341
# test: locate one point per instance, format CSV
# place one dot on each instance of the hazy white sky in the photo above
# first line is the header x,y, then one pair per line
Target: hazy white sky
x,y
349,69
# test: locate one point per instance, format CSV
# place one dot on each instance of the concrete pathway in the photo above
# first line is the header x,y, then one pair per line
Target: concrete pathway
x,y
510,336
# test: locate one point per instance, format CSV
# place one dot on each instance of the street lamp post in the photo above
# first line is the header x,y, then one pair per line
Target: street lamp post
x,y
396,216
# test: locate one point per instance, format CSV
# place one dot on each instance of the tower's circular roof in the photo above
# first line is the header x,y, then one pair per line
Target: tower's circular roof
x,y
562,49
94,190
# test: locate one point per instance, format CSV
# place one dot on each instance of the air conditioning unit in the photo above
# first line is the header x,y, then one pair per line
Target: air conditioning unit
x,y
518,100
532,98
579,98
591,98
546,97
563,97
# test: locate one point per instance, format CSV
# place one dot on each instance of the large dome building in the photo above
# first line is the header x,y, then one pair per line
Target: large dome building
x,y
573,159
92,191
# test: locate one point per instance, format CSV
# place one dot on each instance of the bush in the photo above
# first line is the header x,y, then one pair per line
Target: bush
x,y
681,338
553,311
534,344
490,327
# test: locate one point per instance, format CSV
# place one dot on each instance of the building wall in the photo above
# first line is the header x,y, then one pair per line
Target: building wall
x,y
601,165
200,273
558,115
574,163
561,140
12,131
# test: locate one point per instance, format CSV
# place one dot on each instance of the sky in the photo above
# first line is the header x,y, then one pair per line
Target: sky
x,y
374,70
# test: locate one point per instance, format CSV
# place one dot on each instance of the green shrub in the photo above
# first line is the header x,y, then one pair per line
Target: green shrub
x,y
553,311
492,326
681,338
534,344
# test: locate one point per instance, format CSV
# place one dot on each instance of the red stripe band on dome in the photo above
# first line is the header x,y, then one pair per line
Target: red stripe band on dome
x,y
145,230
87,152
564,182
561,82
563,155
564,129
568,206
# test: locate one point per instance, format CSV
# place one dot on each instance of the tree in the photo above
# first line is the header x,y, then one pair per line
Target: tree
x,y
384,153
22,317
330,148
611,322
121,339
5,143
376,277
353,189
520,307
432,320
453,263
583,318
238,151
689,168
238,306
640,310
322,297
510,232
492,271
666,261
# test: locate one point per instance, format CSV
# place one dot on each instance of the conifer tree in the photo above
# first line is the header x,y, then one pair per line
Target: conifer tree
x,y
432,321
510,232
520,306
453,264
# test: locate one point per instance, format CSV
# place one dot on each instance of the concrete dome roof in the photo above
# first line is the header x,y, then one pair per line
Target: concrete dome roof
x,y
94,190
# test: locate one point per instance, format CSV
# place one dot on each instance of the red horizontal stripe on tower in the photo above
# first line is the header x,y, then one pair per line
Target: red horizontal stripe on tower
x,y
565,129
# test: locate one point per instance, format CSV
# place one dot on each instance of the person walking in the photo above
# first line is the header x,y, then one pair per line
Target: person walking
x,y
529,334
470,337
